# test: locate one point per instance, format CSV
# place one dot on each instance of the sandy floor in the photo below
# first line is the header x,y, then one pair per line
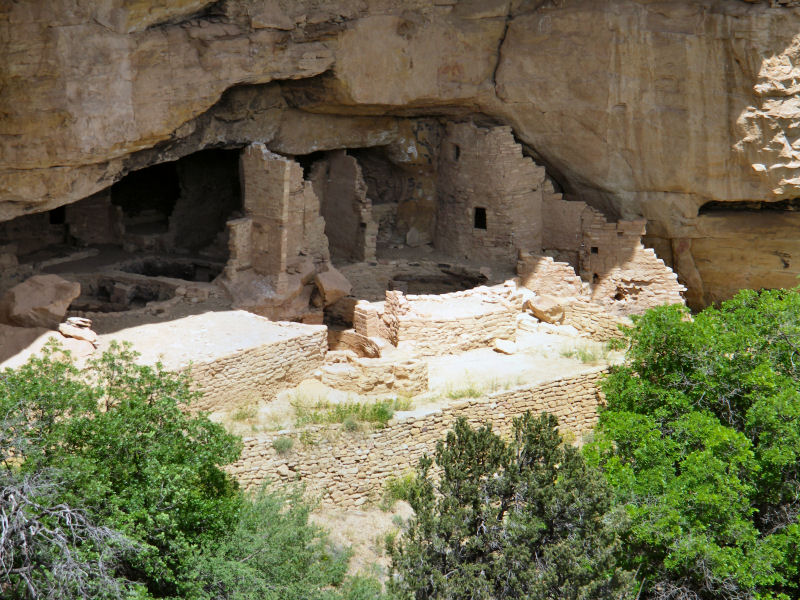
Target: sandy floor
x,y
364,531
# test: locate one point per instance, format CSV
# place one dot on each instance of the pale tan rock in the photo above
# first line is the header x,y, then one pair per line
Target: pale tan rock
x,y
546,308
82,322
123,77
504,346
79,349
78,333
40,301
332,286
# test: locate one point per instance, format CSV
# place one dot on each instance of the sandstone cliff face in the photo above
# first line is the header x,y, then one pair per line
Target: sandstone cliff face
x,y
648,108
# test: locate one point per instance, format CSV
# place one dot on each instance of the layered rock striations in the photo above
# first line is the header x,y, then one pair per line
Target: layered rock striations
x,y
640,108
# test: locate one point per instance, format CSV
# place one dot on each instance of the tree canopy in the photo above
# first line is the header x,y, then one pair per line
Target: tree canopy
x,y
110,488
700,440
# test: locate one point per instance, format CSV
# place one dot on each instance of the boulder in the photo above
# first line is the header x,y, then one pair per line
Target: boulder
x,y
332,286
40,301
549,309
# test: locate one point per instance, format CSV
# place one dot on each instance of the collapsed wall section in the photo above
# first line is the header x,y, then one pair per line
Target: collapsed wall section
x,y
351,230
625,277
280,244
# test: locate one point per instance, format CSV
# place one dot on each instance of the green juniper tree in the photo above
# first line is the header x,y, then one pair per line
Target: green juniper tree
x,y
519,519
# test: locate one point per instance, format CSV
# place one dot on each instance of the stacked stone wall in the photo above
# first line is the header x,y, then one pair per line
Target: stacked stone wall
x,y
94,220
593,320
489,195
260,372
441,323
348,469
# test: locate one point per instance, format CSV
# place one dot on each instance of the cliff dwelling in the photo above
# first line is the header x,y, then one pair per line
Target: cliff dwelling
x,y
349,225
306,237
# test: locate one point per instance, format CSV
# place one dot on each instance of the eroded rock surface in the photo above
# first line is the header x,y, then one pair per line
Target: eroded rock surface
x,y
639,108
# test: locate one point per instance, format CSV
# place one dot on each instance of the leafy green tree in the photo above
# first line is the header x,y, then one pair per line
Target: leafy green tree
x,y
519,519
110,488
700,440
129,454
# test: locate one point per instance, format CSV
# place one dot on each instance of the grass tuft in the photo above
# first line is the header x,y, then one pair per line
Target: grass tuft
x,y
350,414
283,444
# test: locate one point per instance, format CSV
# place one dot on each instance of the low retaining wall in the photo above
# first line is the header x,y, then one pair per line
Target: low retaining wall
x,y
260,372
233,357
348,469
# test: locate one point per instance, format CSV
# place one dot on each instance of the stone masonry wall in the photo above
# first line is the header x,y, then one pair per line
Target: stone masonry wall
x,y
338,183
489,195
94,220
444,323
593,320
348,469
627,278
260,372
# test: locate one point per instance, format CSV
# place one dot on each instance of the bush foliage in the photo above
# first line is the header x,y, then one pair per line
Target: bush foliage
x,y
701,442
518,519
112,490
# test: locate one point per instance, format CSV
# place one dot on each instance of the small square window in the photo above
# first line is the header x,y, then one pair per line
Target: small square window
x,y
595,250
456,152
480,217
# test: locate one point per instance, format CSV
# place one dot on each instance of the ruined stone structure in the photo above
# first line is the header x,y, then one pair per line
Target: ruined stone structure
x,y
235,358
276,229
489,195
666,109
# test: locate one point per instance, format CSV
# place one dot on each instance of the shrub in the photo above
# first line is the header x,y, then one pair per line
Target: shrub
x,y
127,454
109,490
283,444
273,552
519,519
397,488
376,413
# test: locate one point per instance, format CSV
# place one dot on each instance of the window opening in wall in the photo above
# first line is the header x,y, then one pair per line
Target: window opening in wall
x,y
456,152
595,250
58,216
595,278
480,217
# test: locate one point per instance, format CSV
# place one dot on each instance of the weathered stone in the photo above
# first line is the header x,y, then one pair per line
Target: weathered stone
x,y
504,346
547,308
332,286
40,301
79,333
